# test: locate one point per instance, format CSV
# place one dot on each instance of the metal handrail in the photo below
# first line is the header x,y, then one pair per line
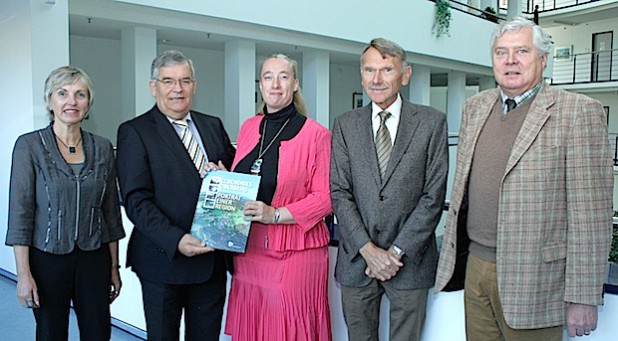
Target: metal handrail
x,y
589,67
549,5
493,17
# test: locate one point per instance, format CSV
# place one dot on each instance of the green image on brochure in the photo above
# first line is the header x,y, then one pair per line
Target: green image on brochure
x,y
218,219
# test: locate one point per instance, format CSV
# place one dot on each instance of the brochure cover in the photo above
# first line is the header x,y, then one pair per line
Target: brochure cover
x,y
218,219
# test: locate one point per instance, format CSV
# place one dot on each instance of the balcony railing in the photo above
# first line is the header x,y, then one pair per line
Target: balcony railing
x,y
591,67
465,8
528,6
550,5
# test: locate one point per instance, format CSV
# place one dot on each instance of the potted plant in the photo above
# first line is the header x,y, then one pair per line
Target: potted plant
x,y
442,18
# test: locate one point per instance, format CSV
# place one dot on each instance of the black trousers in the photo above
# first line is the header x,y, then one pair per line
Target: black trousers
x,y
202,304
83,277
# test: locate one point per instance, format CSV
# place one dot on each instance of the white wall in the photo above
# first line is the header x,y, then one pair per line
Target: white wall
x,y
209,70
344,81
409,22
439,95
30,51
100,59
580,36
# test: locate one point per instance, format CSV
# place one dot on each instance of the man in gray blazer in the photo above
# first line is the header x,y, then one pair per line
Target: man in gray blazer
x,y
388,198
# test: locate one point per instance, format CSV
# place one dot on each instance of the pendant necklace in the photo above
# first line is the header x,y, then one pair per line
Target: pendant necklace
x,y
72,149
256,168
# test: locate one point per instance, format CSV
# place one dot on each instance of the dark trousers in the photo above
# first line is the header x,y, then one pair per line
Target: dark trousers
x,y
361,311
202,304
83,277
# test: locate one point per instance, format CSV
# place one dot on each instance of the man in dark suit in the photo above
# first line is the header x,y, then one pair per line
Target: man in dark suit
x,y
160,180
388,198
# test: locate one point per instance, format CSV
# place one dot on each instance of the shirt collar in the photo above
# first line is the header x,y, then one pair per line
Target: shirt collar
x,y
523,97
394,109
186,119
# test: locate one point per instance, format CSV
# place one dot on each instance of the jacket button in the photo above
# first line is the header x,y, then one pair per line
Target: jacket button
x,y
452,244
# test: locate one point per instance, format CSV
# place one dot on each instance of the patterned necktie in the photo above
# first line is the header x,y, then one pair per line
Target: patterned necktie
x,y
383,143
510,104
190,143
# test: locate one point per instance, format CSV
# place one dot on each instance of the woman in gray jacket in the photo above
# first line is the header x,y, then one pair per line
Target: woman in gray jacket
x,y
64,216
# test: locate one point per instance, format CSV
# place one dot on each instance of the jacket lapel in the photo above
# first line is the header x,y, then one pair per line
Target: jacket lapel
x,y
478,117
365,131
168,135
405,132
530,128
206,136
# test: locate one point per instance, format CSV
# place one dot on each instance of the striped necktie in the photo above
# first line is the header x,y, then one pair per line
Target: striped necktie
x,y
190,143
383,143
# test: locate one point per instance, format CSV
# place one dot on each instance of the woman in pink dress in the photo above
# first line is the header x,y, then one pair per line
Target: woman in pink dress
x,y
280,285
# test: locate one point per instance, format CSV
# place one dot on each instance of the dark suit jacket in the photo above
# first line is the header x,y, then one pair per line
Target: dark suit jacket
x,y
405,209
160,188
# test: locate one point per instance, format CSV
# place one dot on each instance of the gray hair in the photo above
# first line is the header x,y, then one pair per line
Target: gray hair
x,y
169,58
298,99
386,48
540,39
66,75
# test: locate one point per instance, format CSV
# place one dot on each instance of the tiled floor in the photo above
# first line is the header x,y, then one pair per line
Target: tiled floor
x,y
17,323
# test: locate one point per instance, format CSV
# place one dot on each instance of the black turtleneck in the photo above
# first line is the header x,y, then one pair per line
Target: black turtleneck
x,y
274,122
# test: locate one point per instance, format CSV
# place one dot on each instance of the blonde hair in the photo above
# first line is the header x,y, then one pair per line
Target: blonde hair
x,y
298,99
66,75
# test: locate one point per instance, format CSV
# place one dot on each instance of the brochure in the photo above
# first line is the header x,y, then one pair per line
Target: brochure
x,y
219,219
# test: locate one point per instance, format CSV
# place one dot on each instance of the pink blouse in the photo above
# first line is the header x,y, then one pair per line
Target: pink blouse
x,y
302,184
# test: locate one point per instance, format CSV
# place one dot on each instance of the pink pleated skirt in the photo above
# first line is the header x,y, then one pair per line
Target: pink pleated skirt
x,y
278,295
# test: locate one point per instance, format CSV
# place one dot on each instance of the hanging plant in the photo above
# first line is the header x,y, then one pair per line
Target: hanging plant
x,y
442,19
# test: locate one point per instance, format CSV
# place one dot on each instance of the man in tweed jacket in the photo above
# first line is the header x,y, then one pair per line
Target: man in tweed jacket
x,y
531,206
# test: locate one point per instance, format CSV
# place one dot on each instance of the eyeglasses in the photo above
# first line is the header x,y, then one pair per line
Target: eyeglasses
x,y
169,82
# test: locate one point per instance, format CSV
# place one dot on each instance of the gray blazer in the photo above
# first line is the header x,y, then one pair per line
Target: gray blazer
x,y
51,208
405,209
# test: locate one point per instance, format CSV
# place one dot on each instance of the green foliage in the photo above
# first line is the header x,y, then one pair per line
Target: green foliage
x,y
442,19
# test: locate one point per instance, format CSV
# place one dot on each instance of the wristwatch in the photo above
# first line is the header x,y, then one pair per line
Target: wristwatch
x,y
276,216
397,250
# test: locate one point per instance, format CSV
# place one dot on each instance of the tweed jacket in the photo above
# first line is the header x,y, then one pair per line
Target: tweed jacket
x,y
405,208
555,209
